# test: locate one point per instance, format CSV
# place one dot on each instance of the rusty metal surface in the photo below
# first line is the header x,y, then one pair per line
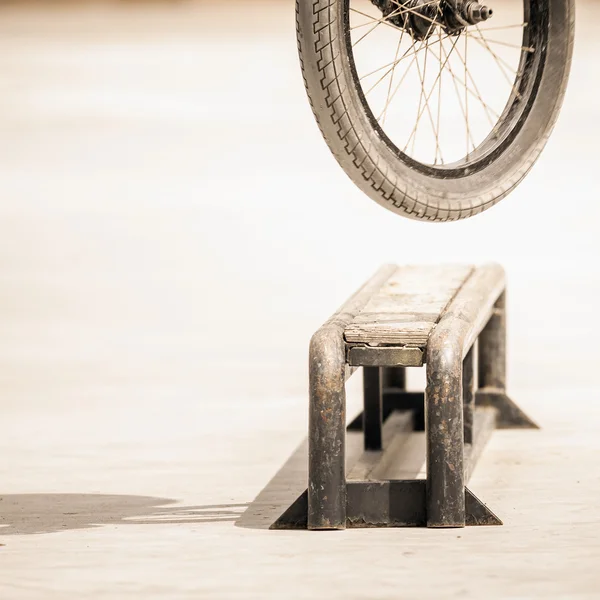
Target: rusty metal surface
x,y
327,412
448,345
447,407
509,415
394,503
327,435
468,385
444,431
471,308
395,399
385,356
394,377
296,515
477,512
373,408
492,371
386,503
484,423
492,348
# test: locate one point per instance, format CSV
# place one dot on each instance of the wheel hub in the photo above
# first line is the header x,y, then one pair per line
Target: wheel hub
x,y
419,17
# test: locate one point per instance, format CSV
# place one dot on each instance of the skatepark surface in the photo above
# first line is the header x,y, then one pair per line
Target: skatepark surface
x,y
174,230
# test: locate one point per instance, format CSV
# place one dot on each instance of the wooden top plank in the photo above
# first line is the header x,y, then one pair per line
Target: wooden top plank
x,y
408,305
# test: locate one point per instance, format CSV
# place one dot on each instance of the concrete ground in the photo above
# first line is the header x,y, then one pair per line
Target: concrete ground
x,y
173,231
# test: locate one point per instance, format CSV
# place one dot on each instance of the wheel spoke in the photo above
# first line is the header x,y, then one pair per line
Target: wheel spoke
x,y
502,64
439,106
475,95
461,83
516,26
419,107
412,62
420,15
389,92
462,64
378,22
401,10
477,92
390,70
403,57
468,131
456,80
366,34
452,48
523,48
372,20
423,78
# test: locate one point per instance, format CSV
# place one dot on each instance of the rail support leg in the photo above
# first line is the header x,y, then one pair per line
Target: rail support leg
x,y
394,377
327,430
373,408
468,385
492,371
492,349
445,433
394,397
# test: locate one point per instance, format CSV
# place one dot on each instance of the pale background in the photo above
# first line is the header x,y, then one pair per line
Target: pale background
x,y
174,229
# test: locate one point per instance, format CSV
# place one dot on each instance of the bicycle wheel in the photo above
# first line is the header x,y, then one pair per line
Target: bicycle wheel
x,y
436,109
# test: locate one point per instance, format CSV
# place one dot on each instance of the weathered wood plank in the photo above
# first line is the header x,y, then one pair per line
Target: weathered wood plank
x,y
405,309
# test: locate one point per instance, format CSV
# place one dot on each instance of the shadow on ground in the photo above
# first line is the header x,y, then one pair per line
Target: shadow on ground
x,y
22,514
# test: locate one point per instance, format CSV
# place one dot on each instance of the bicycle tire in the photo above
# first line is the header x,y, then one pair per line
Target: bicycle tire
x,y
378,167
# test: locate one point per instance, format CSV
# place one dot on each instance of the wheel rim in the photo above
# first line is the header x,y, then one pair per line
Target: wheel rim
x,y
447,105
